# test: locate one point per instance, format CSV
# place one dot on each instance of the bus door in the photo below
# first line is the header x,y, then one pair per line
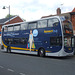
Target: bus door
x,y
68,44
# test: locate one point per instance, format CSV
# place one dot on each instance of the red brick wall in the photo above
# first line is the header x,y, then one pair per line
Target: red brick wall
x,y
73,21
15,20
0,29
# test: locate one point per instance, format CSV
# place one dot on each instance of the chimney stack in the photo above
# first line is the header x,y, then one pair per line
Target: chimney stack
x,y
58,11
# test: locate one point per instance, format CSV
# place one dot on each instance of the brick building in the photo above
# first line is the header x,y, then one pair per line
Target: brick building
x,y
5,21
70,15
13,19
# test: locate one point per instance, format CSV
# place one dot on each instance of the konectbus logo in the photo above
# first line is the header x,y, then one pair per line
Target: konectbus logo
x,y
35,32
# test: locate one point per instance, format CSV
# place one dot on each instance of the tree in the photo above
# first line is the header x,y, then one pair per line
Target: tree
x,y
8,16
13,15
23,19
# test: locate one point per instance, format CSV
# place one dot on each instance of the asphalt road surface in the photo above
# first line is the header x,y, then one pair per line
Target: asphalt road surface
x,y
22,64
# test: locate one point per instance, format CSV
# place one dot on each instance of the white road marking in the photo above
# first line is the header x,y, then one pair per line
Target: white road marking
x,y
1,67
10,70
22,74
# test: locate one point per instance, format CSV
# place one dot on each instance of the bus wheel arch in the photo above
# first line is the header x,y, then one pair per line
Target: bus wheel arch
x,y
41,52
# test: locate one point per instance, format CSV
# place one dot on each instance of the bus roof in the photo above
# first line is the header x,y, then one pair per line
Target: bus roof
x,y
32,21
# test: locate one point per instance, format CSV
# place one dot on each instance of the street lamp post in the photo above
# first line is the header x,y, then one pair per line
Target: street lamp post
x,y
4,7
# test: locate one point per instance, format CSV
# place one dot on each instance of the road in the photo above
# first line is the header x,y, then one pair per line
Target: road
x,y
21,64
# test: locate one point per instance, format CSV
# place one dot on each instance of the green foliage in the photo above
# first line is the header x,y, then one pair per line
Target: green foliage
x,y
8,16
13,15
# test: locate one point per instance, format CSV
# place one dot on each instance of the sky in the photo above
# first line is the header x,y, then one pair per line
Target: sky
x,y
35,9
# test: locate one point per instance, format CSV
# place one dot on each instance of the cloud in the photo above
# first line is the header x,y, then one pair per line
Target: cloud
x,y
35,9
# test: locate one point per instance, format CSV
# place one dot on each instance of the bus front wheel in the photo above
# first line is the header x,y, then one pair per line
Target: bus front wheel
x,y
41,52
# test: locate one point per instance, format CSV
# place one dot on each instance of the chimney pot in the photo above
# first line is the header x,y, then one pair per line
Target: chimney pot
x,y
58,11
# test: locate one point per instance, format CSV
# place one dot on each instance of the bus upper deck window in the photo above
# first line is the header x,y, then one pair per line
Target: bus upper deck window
x,y
42,23
16,27
10,28
53,22
32,25
24,26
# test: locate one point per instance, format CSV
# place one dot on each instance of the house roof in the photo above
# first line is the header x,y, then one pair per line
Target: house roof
x,y
5,20
72,13
73,10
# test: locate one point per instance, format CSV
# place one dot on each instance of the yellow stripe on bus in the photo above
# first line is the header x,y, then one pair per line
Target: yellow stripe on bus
x,y
47,51
4,45
18,48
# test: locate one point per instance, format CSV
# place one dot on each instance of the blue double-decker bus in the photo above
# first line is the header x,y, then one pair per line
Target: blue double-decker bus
x,y
51,36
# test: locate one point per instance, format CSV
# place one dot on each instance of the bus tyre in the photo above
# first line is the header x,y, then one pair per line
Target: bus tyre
x,y
41,52
8,49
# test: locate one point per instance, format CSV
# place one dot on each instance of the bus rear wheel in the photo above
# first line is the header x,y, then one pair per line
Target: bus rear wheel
x,y
41,52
